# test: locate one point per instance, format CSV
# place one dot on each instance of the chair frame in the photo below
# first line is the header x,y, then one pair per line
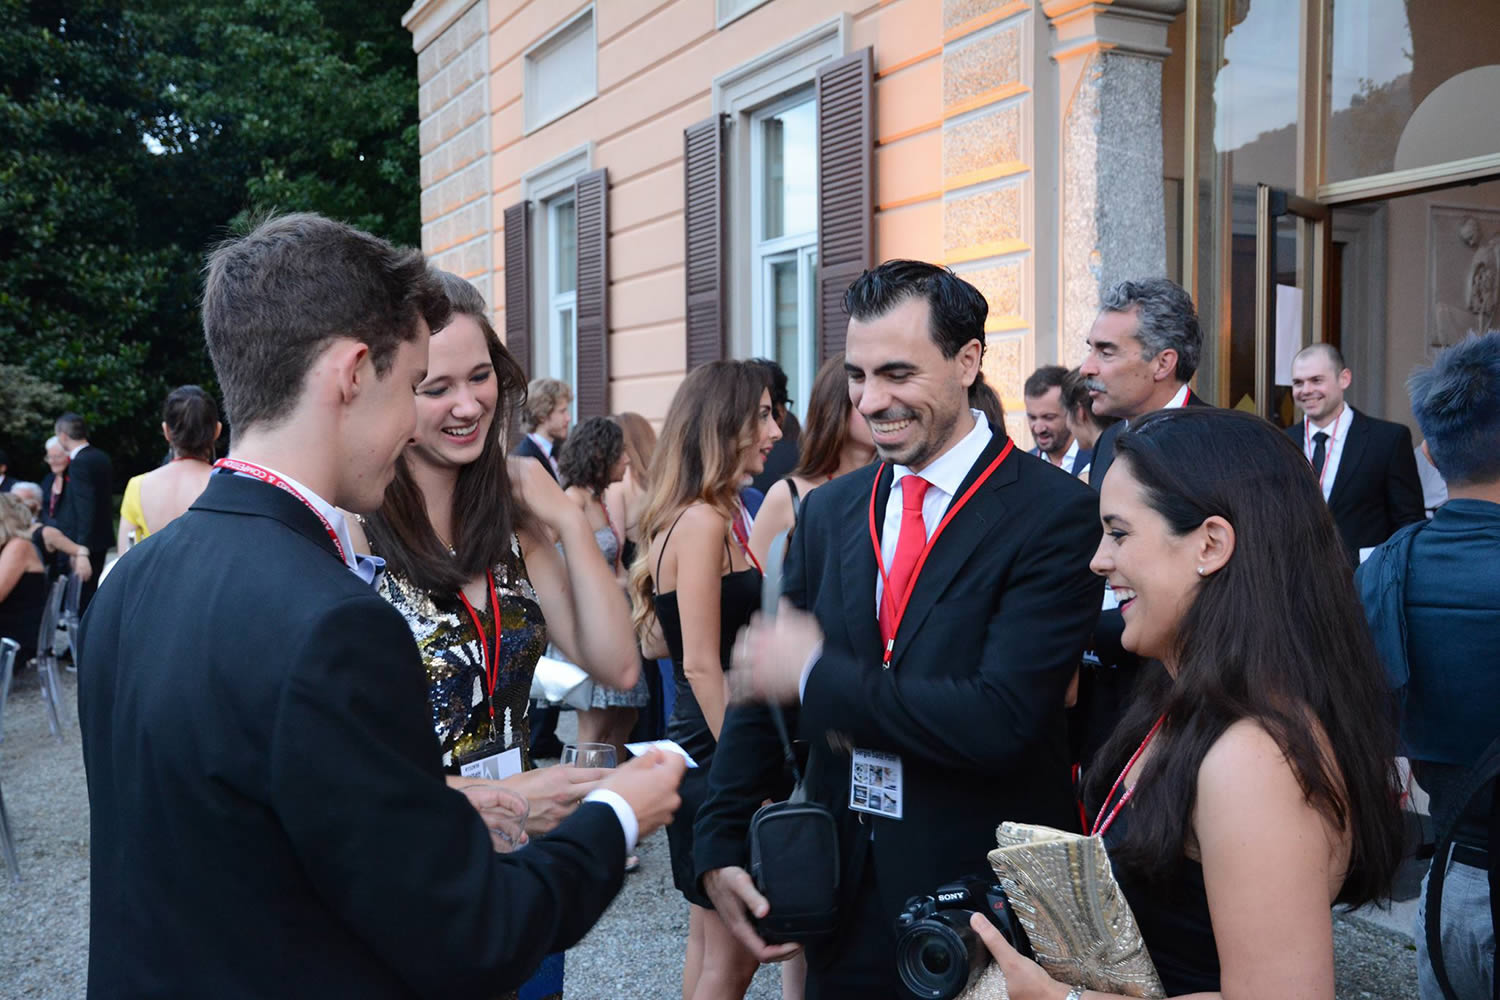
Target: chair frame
x,y
9,650
46,657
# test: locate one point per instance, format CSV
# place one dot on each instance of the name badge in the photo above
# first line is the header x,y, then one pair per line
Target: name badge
x,y
875,784
494,766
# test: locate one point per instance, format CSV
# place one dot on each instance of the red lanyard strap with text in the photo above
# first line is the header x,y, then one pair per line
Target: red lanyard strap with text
x,y
490,663
1104,821
272,479
1307,443
898,606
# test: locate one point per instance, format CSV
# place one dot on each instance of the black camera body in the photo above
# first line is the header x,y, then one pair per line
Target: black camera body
x,y
937,952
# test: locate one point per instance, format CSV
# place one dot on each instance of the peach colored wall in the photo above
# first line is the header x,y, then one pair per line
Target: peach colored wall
x,y
656,65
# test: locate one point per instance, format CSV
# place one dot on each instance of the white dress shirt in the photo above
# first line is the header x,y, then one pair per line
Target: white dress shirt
x,y
74,452
1338,431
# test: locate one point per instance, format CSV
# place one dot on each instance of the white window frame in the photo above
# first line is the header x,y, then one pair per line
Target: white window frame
x,y
799,247
732,10
768,80
546,187
534,116
562,351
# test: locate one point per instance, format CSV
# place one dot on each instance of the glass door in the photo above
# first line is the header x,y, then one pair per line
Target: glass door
x,y
1293,298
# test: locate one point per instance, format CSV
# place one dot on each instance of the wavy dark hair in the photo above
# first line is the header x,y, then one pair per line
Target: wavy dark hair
x,y
590,452
485,511
821,443
192,420
1277,635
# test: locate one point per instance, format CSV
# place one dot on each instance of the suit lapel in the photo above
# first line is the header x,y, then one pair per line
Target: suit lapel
x,y
960,541
858,569
1349,459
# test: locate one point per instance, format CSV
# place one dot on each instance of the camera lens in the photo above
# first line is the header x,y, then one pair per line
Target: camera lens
x,y
938,957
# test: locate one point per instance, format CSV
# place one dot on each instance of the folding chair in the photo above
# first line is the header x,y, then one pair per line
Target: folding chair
x,y
46,658
68,622
9,650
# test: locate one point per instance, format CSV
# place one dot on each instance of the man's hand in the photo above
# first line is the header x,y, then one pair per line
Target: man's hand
x,y
503,811
649,785
735,900
554,793
769,656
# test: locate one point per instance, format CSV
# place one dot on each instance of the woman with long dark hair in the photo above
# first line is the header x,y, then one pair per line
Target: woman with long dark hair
x,y
466,535
835,440
1251,786
698,580
190,423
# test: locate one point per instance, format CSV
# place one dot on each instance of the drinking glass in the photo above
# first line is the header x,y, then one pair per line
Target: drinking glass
x,y
589,755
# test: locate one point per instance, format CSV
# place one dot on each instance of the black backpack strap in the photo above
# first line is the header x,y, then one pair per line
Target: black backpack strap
x,y
1482,774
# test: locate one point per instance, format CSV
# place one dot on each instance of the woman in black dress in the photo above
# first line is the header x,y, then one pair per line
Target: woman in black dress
x,y
698,580
1252,785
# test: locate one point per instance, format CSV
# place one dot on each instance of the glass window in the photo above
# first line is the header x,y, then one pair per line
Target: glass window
x,y
561,72
789,171
1412,85
565,256
562,283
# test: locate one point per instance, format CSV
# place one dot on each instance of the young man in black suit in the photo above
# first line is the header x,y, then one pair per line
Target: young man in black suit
x,y
269,813
545,417
955,690
1366,467
86,514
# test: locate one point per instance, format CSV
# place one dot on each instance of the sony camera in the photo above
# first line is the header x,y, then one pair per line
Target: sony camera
x,y
937,952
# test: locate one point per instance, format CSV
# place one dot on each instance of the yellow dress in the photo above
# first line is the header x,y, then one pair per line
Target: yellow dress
x,y
130,508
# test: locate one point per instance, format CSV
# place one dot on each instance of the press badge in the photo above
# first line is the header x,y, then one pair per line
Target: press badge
x,y
875,783
494,766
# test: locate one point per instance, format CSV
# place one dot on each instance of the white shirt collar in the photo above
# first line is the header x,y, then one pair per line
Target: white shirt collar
x,y
543,442
331,513
1180,399
76,449
948,470
1338,427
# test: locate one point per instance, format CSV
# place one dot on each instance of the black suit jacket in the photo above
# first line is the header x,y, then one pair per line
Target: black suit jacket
x,y
86,513
1376,489
973,701
527,448
1104,448
269,816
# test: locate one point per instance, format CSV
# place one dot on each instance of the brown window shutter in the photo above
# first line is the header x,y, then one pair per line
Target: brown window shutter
x,y
518,284
846,188
591,194
704,159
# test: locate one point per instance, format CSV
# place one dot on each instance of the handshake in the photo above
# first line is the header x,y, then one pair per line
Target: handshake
x,y
534,802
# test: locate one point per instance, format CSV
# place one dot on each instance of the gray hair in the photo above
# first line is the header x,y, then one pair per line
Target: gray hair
x,y
1166,317
31,493
52,442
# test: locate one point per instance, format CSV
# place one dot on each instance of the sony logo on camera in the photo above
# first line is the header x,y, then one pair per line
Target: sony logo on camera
x,y
952,897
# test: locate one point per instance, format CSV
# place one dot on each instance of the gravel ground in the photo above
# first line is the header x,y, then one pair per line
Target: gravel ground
x,y
634,952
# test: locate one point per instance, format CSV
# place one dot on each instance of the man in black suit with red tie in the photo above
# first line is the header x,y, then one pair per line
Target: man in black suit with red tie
x,y
944,663
1366,467
269,815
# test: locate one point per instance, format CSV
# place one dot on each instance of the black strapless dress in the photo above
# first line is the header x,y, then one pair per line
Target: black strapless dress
x,y
1174,920
739,598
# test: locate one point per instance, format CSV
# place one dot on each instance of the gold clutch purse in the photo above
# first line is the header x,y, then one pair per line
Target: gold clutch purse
x,y
1064,892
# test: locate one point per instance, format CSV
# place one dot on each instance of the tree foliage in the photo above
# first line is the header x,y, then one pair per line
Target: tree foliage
x,y
134,135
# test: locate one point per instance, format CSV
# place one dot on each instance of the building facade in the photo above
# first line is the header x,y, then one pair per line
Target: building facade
x,y
641,185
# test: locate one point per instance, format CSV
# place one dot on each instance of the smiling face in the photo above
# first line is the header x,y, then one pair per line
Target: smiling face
x,y
57,459
1317,387
456,402
915,400
1048,422
766,433
1152,571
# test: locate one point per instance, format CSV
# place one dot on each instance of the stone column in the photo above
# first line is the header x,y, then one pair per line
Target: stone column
x,y
1113,224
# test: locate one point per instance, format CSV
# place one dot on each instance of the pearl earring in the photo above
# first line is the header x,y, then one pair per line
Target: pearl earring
x,y
1200,570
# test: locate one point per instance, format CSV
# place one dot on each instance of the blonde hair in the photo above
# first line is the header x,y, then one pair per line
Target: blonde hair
x,y
542,397
709,426
640,445
15,518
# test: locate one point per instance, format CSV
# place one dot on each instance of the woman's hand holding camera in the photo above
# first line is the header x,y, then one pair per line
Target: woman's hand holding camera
x,y
1024,979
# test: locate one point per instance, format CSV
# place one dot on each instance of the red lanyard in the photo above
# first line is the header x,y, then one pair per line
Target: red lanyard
x,y
491,663
1103,822
1307,442
743,537
272,479
899,609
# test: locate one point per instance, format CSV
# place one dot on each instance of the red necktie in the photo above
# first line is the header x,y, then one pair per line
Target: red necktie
x,y
909,544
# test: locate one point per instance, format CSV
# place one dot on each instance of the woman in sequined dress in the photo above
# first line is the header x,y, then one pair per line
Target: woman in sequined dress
x,y
467,536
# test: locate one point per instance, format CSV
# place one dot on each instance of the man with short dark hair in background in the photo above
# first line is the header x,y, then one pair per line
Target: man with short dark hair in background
x,y
1048,419
1432,595
87,512
1366,467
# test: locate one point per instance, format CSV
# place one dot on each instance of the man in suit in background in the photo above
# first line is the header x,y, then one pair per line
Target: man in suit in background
x,y
545,417
1143,349
269,815
6,479
87,512
1366,467
932,701
1047,416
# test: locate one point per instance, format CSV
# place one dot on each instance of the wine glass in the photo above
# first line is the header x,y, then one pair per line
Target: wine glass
x,y
589,755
